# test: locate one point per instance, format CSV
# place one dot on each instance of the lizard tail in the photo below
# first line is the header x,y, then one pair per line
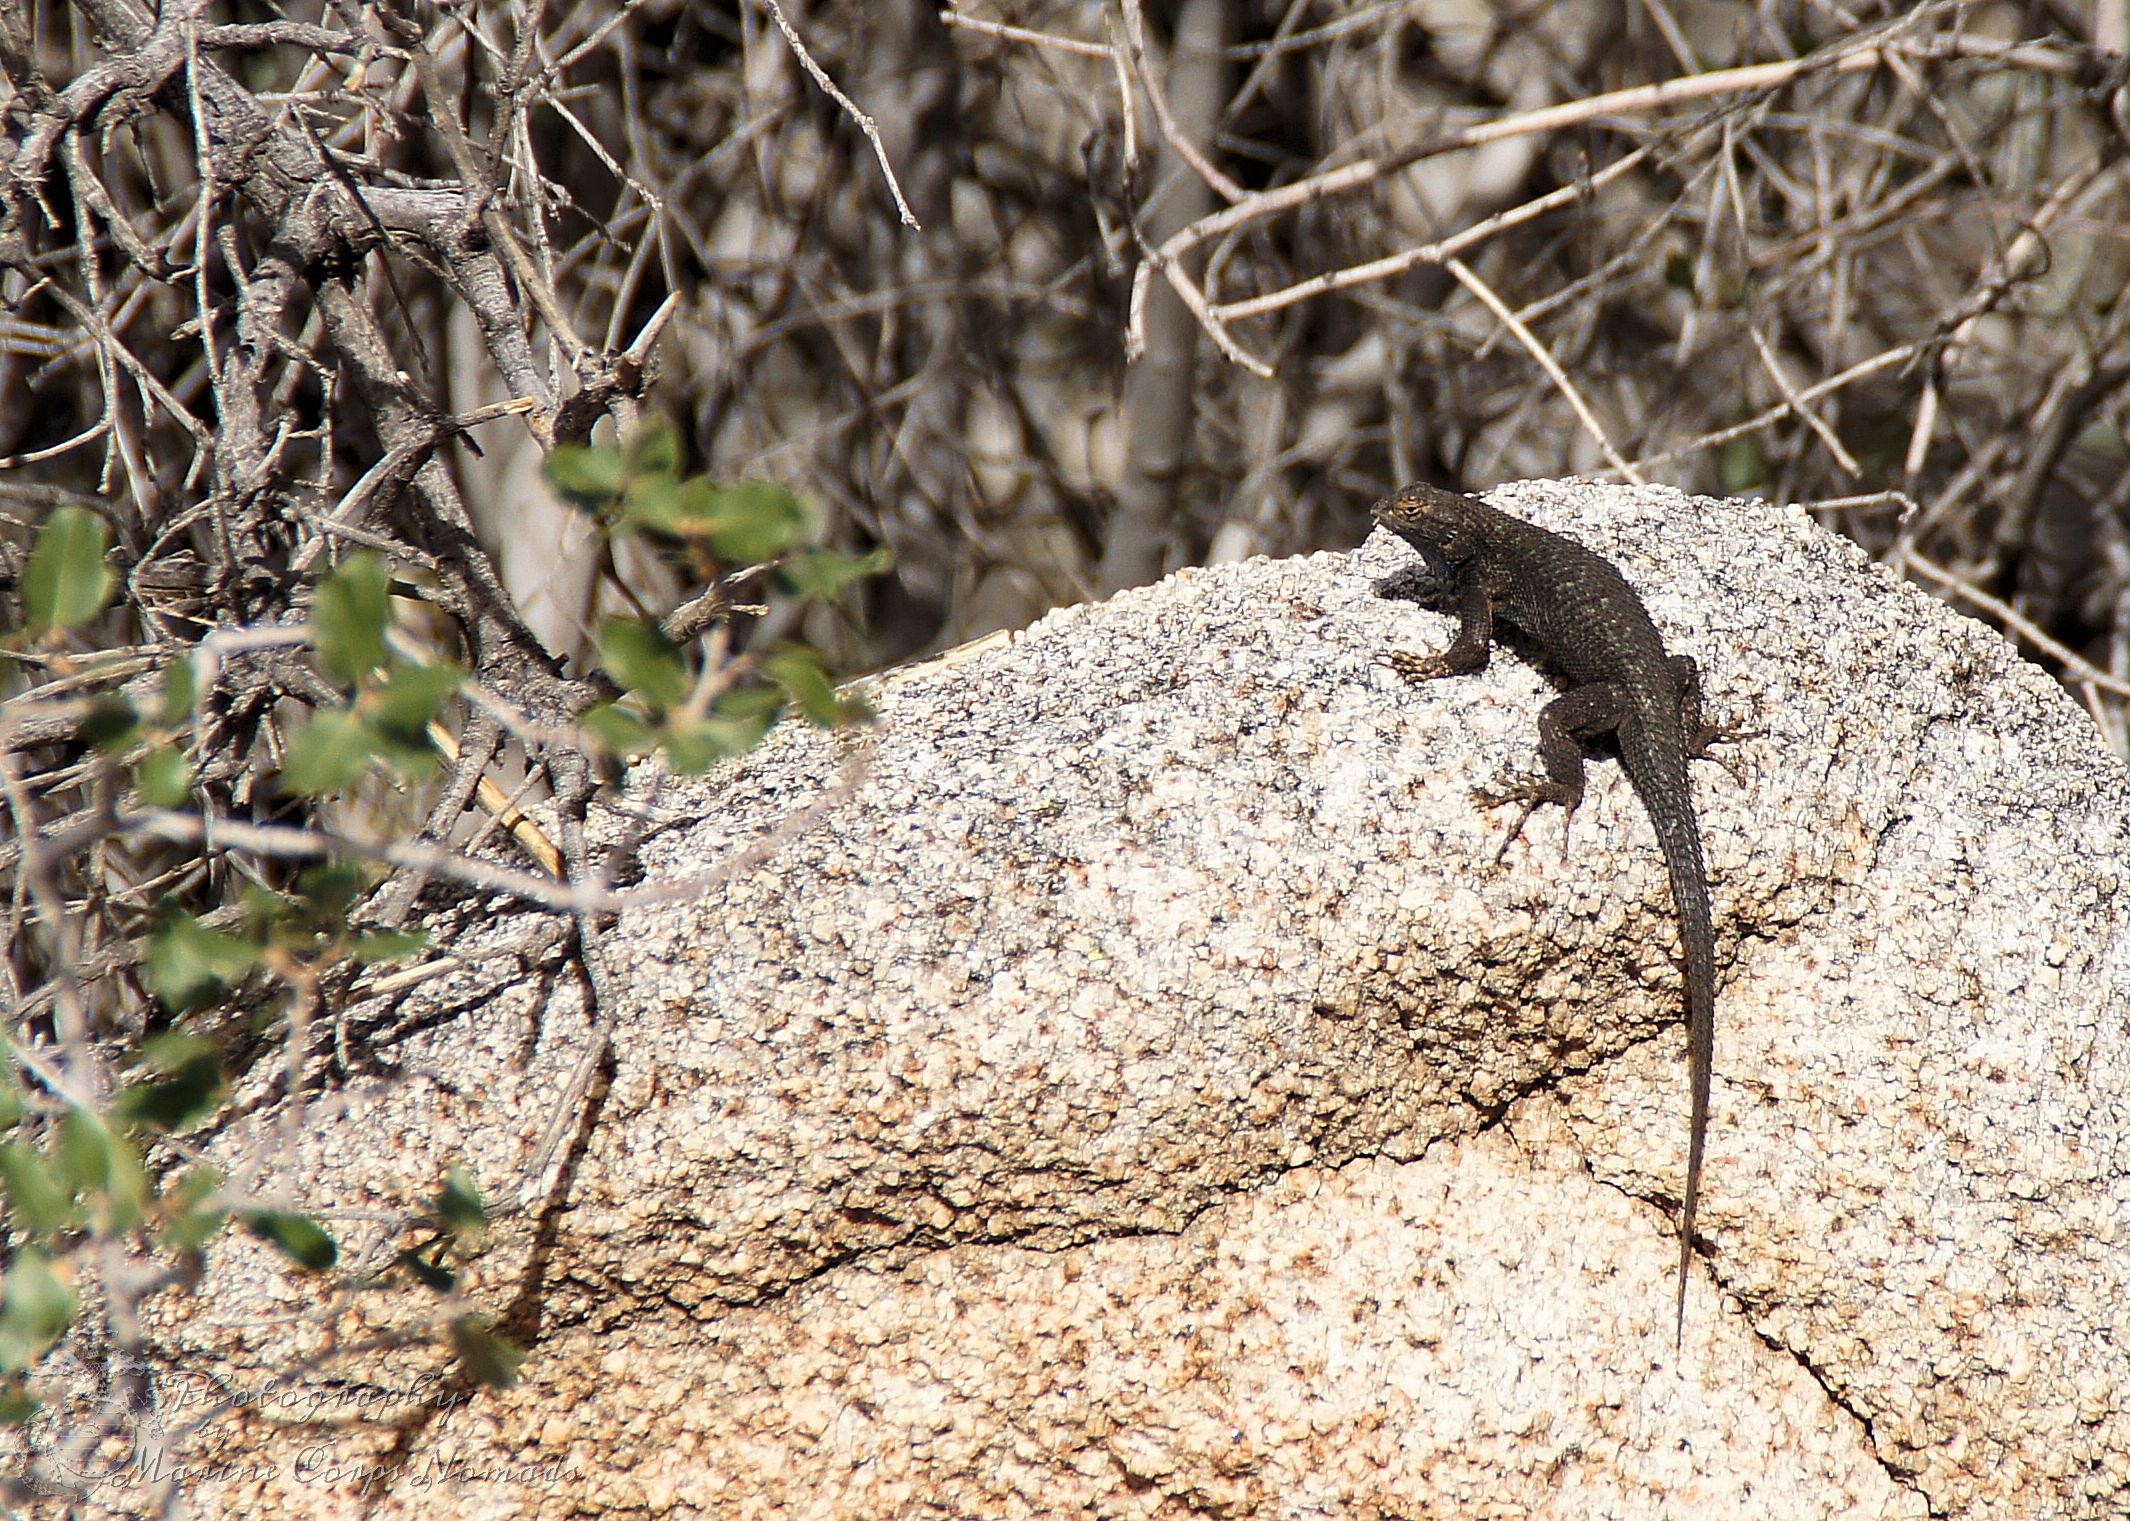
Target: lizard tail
x,y
1689,891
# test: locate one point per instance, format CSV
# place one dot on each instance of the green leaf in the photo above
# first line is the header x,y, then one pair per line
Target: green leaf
x,y
36,1307
487,1358
754,521
654,450
187,1086
299,1237
36,1200
798,671
1742,466
66,581
18,1407
692,748
405,701
10,1105
644,661
662,505
177,693
188,962
190,1215
126,1196
434,1274
327,754
411,758
585,476
264,906
83,1154
823,573
163,777
457,1206
617,730
753,701
96,1158
111,725
743,524
349,615
325,894
386,945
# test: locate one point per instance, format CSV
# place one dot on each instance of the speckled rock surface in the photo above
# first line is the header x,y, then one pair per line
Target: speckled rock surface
x,y
1144,1096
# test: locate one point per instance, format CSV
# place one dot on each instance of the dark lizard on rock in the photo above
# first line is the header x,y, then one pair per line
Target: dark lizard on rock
x,y
1588,622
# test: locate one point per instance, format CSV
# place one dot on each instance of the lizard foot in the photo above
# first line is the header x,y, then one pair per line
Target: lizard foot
x,y
1697,746
1415,667
1531,796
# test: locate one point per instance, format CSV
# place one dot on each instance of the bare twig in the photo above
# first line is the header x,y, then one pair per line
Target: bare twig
x,y
1772,366
2017,622
1544,357
1005,33
1157,96
849,107
1639,100
1431,253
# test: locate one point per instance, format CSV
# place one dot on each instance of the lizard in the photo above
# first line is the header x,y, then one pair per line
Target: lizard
x,y
1585,618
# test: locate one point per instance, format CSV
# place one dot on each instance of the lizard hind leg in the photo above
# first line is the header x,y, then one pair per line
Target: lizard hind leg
x,y
1562,723
1700,734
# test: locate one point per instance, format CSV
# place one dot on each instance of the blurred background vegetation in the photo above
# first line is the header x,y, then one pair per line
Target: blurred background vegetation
x,y
408,411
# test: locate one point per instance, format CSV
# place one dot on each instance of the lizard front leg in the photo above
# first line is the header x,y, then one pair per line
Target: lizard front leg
x,y
1467,653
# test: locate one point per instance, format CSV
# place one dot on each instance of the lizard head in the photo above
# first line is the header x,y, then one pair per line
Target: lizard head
x,y
1432,520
